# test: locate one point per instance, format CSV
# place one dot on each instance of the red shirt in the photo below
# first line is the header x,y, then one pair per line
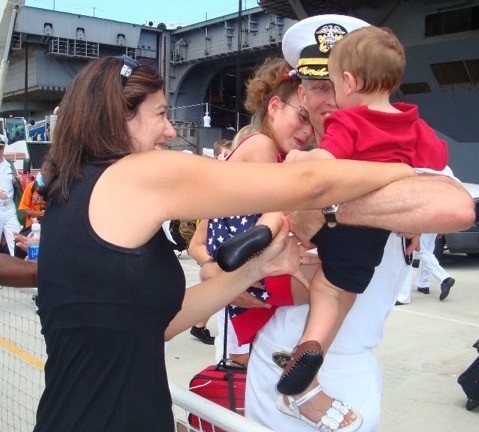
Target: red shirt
x,y
362,134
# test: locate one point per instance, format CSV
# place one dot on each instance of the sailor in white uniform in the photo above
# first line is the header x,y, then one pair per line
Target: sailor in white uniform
x,y
350,371
429,265
8,211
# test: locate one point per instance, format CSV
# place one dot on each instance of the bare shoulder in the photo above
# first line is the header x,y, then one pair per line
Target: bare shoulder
x,y
257,148
129,192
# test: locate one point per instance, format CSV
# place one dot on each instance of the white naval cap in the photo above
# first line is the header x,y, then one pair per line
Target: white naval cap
x,y
307,43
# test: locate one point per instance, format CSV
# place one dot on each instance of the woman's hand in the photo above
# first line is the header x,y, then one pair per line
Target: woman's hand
x,y
246,300
284,255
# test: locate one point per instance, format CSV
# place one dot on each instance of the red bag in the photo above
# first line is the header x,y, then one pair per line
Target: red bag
x,y
222,384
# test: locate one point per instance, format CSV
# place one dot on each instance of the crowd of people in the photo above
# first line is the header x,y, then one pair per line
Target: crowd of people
x,y
19,206
107,313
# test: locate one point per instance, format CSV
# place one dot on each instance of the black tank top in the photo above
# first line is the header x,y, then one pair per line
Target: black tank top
x,y
104,310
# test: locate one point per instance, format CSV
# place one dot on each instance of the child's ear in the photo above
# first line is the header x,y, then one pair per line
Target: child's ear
x,y
274,103
350,82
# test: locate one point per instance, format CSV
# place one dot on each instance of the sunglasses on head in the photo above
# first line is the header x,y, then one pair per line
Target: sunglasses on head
x,y
129,65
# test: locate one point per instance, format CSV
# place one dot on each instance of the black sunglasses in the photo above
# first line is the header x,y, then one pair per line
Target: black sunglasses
x,y
129,65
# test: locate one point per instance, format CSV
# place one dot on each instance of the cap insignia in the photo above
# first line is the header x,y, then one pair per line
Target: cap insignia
x,y
327,35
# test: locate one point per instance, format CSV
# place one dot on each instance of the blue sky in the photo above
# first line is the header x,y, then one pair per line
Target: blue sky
x,y
140,11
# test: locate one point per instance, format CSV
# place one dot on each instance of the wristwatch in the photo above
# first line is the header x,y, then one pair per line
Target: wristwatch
x,y
330,215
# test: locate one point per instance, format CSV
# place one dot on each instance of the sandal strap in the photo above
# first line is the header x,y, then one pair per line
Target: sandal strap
x,y
333,417
306,397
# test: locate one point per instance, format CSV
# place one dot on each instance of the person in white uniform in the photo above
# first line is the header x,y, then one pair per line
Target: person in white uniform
x,y
429,265
350,371
8,212
404,292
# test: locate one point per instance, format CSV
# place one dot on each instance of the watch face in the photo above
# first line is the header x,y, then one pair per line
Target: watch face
x,y
330,215
331,209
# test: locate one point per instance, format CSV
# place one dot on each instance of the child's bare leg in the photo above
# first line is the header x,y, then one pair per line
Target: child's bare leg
x,y
314,405
299,292
329,307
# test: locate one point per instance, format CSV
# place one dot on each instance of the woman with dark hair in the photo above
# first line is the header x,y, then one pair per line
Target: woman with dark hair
x,y
111,289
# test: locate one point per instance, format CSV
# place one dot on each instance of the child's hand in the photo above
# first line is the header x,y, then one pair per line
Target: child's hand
x,y
297,156
301,155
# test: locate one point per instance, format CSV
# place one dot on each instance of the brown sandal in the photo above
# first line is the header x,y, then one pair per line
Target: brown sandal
x,y
301,369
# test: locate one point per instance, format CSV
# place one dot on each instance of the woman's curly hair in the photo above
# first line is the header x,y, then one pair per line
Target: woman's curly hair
x,y
272,78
